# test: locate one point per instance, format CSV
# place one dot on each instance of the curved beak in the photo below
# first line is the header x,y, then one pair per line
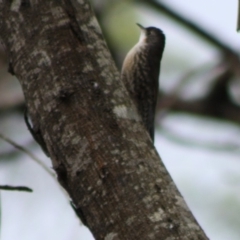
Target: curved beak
x,y
143,32
140,26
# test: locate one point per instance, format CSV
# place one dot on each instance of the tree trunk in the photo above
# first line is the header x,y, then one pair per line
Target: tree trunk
x,y
99,148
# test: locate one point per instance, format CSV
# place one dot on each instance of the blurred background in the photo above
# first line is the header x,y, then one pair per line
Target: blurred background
x,y
197,125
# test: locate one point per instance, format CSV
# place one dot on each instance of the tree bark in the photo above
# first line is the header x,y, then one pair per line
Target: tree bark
x,y
99,148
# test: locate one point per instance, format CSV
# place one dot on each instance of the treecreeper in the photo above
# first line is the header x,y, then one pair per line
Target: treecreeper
x,y
140,73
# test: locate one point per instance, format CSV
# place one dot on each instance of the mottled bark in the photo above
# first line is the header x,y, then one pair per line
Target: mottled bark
x,y
103,156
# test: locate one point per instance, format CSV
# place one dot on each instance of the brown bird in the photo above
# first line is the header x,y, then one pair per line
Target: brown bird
x,y
140,73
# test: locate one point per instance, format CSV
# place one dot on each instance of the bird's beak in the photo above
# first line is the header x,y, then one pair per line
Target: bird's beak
x,y
141,27
143,32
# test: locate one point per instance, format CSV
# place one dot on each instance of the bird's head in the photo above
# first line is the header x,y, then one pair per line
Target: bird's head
x,y
151,35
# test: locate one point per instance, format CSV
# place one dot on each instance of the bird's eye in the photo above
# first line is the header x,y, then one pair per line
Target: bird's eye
x,y
150,33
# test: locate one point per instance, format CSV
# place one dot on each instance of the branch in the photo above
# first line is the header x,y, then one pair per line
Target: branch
x,y
217,103
238,16
190,25
190,142
228,111
32,156
16,188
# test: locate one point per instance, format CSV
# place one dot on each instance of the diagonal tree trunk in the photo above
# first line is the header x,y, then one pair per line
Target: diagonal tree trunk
x,y
102,154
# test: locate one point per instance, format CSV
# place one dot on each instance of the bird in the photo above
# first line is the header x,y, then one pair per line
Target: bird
x,y
140,73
